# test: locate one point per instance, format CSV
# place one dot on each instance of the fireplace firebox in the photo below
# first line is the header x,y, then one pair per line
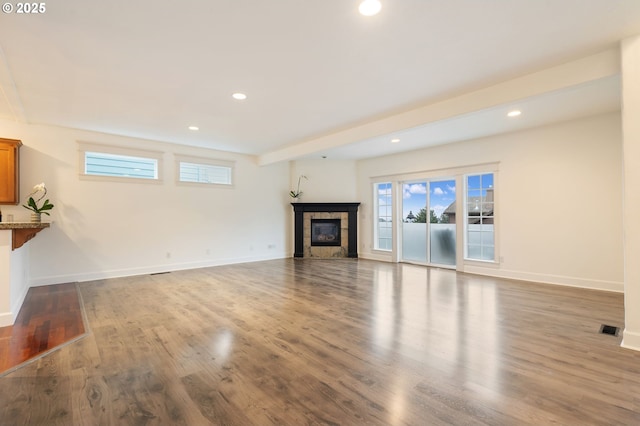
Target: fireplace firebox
x,y
342,235
325,232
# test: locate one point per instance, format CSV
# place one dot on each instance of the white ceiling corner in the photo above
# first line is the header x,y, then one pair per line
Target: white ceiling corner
x,y
10,103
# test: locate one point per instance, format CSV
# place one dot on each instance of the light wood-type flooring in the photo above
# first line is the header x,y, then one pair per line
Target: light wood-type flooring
x,y
327,342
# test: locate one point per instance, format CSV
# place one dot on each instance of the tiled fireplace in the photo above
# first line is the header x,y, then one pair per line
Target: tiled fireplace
x,y
326,230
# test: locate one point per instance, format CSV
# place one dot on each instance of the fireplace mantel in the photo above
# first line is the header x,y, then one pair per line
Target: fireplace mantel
x,y
350,208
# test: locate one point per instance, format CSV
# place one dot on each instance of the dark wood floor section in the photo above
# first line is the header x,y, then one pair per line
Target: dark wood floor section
x,y
50,316
332,342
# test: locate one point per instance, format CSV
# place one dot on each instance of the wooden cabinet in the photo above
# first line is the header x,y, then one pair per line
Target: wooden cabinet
x,y
9,171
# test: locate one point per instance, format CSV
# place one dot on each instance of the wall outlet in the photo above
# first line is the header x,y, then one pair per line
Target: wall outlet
x,y
271,246
168,255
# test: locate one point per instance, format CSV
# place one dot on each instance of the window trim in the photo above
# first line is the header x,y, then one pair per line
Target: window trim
x,y
376,229
496,255
84,147
207,161
458,173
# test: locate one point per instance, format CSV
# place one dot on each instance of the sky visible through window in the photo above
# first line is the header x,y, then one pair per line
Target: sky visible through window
x,y
414,196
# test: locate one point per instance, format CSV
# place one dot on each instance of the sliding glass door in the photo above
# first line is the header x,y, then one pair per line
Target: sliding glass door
x,y
442,227
414,222
428,222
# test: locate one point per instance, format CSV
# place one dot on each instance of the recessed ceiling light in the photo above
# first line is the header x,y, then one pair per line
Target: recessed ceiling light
x,y
370,7
194,128
514,113
239,96
395,140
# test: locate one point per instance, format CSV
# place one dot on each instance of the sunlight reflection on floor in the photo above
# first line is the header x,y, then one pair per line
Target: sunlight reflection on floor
x,y
406,320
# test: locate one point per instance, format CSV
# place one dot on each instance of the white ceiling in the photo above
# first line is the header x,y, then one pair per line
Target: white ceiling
x,y
150,69
585,100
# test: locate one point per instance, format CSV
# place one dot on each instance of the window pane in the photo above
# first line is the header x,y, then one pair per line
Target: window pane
x,y
474,237
205,173
102,164
473,182
480,236
473,208
443,243
487,209
384,244
487,180
488,253
487,239
474,252
474,194
383,223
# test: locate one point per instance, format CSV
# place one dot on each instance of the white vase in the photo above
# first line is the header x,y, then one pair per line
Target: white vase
x,y
36,217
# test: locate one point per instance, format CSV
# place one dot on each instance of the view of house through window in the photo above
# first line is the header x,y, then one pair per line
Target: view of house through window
x,y
112,165
429,222
480,241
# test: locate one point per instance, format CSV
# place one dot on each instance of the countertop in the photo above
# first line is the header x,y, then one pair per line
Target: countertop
x,y
24,225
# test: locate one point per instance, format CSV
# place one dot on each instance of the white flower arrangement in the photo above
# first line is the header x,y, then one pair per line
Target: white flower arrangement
x,y
297,193
32,204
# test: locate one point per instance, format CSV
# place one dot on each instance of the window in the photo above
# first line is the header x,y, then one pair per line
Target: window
x,y
204,171
119,163
479,212
99,163
383,227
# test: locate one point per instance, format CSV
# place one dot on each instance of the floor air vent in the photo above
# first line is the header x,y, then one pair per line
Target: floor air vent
x,y
609,329
159,273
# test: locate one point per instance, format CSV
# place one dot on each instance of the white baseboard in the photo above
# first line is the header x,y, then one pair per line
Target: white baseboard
x,y
374,256
9,318
15,307
547,279
495,271
630,340
152,269
6,319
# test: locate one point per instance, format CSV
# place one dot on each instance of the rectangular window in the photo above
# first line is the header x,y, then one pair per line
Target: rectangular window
x,y
116,163
205,173
194,170
383,227
102,164
479,212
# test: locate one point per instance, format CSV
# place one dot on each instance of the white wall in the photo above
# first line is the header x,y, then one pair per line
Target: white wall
x,y
631,147
560,205
13,279
108,229
327,180
559,191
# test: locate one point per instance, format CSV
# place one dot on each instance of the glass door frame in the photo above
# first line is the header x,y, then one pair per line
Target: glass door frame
x,y
459,245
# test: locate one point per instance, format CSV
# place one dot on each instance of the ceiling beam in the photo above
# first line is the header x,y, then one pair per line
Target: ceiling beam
x,y
584,70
